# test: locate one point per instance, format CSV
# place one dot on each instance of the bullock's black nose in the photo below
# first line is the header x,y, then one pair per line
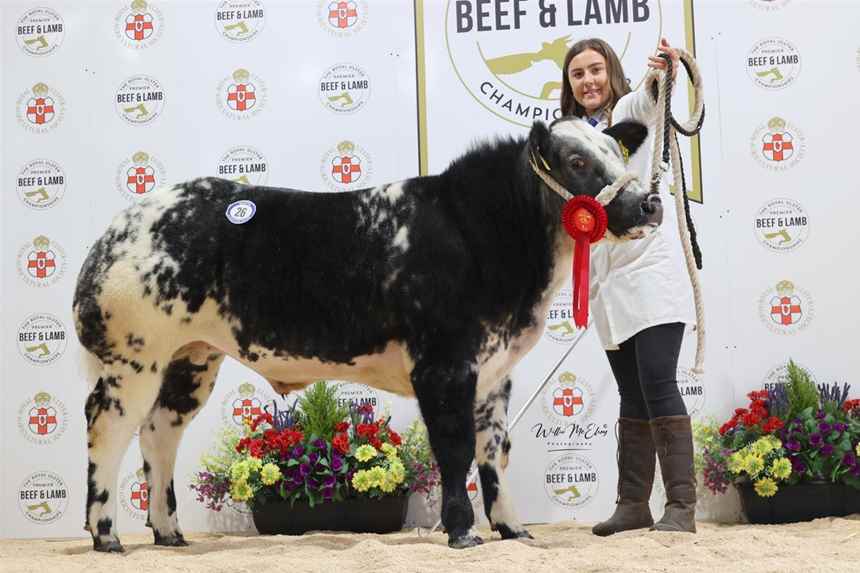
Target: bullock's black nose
x,y
652,204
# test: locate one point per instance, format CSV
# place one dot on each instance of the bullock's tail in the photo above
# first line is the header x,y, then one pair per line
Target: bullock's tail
x,y
89,368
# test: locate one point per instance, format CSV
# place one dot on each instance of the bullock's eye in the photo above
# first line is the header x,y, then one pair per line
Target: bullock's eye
x,y
577,162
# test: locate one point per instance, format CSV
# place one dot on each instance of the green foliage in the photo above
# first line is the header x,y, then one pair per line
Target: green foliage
x,y
801,390
706,436
320,411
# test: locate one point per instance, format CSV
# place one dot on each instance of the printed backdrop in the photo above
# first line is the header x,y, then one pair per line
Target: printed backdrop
x,y
102,102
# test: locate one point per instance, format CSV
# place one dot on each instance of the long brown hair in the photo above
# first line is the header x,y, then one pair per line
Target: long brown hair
x,y
618,85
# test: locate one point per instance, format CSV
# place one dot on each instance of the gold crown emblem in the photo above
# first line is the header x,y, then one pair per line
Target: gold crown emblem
x,y
241,75
138,5
42,242
785,288
42,398
141,475
567,378
346,147
40,89
140,158
776,124
247,389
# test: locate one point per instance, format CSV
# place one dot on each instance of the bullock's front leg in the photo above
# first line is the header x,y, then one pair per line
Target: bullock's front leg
x,y
446,395
491,453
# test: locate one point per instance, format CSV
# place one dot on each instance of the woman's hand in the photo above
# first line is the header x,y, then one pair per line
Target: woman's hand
x,y
659,63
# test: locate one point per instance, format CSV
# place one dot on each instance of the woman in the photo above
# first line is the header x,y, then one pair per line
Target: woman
x,y
641,301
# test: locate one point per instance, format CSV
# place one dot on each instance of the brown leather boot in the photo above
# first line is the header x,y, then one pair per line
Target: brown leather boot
x,y
673,438
635,477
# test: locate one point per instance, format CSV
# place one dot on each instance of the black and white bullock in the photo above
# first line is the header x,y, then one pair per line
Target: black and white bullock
x,y
432,287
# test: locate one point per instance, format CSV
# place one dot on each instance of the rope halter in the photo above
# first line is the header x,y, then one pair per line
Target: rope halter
x,y
585,220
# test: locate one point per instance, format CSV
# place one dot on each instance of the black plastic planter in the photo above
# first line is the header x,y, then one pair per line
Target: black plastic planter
x,y
801,502
383,515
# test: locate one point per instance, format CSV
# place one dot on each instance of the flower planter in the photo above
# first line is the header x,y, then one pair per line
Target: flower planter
x,y
362,515
801,502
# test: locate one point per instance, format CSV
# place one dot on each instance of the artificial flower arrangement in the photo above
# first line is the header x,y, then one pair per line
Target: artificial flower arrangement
x,y
794,433
316,452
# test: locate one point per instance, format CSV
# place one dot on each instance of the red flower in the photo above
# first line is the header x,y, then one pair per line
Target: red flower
x,y
243,443
341,443
257,448
728,426
772,424
394,437
341,427
367,430
259,420
750,419
759,409
376,443
850,405
757,395
740,411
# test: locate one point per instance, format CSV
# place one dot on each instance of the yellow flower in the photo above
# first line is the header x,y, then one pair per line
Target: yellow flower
x,y
365,453
361,480
765,487
736,462
857,449
781,468
241,491
389,451
398,472
270,474
254,464
240,471
388,483
753,464
762,447
774,441
376,474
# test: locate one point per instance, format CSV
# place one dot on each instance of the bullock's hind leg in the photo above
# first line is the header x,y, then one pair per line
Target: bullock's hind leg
x,y
187,382
491,453
114,409
446,394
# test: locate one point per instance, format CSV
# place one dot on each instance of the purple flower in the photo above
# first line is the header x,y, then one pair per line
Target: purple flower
x,y
820,415
856,471
336,462
319,443
826,449
841,427
329,481
797,465
313,458
298,451
849,459
815,439
304,470
824,428
793,445
313,484
328,493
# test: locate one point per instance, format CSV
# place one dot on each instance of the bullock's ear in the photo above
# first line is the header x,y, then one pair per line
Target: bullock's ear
x,y
628,134
539,140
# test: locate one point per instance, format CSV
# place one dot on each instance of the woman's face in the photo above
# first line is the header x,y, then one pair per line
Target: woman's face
x,y
589,80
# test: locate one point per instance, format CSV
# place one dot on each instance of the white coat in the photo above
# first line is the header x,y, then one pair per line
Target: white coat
x,y
638,284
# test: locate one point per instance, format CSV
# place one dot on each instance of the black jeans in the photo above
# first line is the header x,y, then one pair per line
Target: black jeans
x,y
645,367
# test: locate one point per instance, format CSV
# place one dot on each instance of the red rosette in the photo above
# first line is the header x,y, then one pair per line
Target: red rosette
x,y
585,221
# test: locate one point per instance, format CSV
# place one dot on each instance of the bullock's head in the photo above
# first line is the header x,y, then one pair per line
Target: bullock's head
x,y
584,161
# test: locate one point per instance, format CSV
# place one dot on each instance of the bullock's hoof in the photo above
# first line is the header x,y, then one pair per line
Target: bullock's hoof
x,y
508,533
465,541
172,540
108,546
